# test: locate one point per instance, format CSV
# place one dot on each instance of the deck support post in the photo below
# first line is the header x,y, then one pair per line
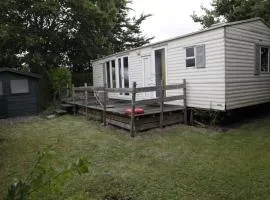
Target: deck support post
x,y
105,105
86,99
162,93
185,101
132,120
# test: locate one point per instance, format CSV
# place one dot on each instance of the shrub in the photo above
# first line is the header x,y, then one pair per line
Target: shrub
x,y
60,79
45,179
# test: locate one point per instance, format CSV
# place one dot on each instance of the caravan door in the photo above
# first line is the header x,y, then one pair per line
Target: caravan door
x,y
149,75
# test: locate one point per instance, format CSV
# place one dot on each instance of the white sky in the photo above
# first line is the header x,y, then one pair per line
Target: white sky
x,y
170,17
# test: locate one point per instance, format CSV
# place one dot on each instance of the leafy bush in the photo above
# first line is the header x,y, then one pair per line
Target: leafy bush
x,y
60,80
45,179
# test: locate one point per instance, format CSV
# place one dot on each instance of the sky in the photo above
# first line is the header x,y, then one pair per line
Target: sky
x,y
170,17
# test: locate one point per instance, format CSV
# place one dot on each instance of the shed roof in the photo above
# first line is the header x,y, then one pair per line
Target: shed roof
x,y
19,72
213,27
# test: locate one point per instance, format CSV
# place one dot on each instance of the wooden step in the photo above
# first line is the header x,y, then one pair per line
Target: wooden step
x,y
60,112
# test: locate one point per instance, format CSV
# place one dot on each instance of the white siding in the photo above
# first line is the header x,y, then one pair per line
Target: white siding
x,y
97,74
135,71
243,88
205,87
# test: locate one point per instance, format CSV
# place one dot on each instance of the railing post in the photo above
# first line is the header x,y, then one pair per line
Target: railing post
x,y
86,98
132,120
185,101
105,105
161,104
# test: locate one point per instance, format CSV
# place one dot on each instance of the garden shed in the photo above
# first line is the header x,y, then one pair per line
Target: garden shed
x,y
19,94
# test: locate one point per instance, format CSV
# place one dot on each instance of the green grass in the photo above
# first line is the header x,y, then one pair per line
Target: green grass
x,y
175,163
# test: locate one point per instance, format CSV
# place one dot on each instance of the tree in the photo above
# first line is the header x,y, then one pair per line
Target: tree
x,y
60,79
51,33
233,10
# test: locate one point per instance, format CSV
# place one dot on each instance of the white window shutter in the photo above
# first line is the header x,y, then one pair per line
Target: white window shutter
x,y
200,56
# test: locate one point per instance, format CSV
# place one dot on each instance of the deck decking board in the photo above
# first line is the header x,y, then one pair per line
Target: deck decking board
x,y
116,115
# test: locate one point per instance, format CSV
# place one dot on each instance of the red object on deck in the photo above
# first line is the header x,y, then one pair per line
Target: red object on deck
x,y
137,111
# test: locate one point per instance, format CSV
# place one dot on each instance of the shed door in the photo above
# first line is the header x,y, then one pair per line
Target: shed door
x,y
3,100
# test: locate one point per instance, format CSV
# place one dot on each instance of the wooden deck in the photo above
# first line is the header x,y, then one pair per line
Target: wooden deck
x,y
115,114
157,112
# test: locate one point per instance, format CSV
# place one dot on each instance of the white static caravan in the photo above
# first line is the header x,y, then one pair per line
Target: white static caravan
x,y
226,66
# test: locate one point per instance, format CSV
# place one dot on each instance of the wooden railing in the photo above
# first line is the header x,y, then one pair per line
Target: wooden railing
x,y
134,102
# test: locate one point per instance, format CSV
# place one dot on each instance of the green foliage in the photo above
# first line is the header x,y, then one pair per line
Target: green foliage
x,y
52,33
79,78
60,78
233,10
41,35
18,191
45,179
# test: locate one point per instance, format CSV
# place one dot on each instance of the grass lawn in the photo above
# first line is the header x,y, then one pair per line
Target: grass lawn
x,y
176,163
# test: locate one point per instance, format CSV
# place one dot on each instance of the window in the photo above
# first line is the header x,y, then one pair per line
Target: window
x,y
111,74
265,57
19,86
190,57
195,56
119,73
1,88
123,73
108,72
126,75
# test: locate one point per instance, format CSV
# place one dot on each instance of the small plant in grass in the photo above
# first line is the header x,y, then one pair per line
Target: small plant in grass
x,y
45,179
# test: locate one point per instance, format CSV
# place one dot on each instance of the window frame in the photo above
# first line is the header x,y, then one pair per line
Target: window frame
x,y
121,74
191,57
265,47
109,73
21,93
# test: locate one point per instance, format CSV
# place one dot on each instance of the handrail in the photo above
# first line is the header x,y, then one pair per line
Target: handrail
x,y
129,90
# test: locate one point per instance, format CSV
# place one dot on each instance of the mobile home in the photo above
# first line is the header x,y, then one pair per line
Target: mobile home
x,y
226,66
